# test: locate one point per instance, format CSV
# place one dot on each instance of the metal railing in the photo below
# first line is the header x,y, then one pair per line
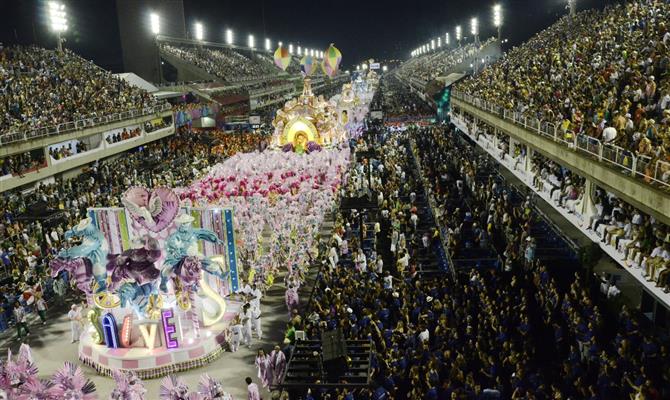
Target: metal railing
x,y
67,127
640,166
271,90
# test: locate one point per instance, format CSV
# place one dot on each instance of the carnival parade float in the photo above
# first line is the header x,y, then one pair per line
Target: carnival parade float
x,y
156,276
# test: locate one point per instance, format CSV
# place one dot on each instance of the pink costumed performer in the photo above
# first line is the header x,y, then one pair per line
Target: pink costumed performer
x,y
277,364
292,299
262,361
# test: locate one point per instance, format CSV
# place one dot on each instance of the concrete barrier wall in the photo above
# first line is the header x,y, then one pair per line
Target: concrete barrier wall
x,y
83,159
46,141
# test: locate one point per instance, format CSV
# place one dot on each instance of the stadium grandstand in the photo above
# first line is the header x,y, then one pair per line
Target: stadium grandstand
x,y
191,208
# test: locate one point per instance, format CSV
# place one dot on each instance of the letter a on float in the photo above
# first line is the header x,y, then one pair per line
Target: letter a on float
x,y
110,331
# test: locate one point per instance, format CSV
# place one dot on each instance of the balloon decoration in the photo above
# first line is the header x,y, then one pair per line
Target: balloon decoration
x,y
282,58
328,70
332,59
307,65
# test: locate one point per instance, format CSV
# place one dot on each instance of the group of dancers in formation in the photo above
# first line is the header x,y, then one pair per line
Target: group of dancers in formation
x,y
271,366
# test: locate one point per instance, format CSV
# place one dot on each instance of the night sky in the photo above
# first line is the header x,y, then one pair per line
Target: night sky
x,y
360,29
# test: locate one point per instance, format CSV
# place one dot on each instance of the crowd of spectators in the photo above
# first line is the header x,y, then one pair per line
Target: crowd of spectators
x,y
43,88
66,150
432,65
19,164
227,64
602,73
225,144
398,102
126,134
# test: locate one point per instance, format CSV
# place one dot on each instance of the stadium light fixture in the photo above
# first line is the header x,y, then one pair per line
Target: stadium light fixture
x,y
299,50
155,23
229,36
280,43
385,68
497,15
57,16
459,34
474,26
199,33
432,44
268,44
439,41
290,48
446,39
358,67
497,18
251,41
58,20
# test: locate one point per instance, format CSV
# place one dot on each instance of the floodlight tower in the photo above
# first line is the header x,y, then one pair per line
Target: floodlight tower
x,y
199,32
497,18
459,35
58,20
155,22
474,29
